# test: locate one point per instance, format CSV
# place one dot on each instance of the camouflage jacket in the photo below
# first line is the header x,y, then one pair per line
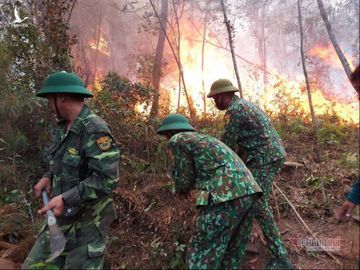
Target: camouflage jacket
x,y
84,169
205,163
250,134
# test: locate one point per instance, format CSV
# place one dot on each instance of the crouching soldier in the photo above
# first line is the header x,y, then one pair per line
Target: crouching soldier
x,y
83,173
226,192
251,135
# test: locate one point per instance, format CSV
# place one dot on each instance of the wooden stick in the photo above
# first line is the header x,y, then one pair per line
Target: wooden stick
x,y
307,227
276,205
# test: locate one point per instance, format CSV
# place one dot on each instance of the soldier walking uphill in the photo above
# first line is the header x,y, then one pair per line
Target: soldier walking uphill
x,y
226,193
250,134
83,173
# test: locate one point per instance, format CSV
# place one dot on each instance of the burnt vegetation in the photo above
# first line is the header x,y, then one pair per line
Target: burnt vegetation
x,y
114,46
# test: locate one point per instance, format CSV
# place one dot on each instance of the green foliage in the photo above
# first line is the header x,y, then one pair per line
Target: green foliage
x,y
313,182
287,106
210,124
169,186
37,47
117,103
6,173
331,134
54,26
313,209
143,66
29,51
118,98
43,265
297,126
12,196
178,259
158,248
15,142
293,128
351,162
130,93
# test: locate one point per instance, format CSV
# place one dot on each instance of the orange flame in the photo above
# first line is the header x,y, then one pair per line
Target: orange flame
x,y
97,83
218,64
293,90
327,54
101,45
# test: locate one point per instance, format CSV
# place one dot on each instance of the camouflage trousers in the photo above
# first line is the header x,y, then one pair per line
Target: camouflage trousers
x,y
221,233
84,249
265,176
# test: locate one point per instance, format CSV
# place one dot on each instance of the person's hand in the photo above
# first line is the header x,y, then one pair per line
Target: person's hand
x,y
44,183
345,211
56,204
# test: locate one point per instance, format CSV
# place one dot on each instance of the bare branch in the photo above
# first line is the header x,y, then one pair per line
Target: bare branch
x,y
191,109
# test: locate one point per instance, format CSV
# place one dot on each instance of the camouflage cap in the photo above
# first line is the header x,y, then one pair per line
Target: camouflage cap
x,y
221,86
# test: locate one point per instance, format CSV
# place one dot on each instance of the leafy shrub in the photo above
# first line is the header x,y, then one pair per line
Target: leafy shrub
x,y
15,143
351,162
331,134
178,259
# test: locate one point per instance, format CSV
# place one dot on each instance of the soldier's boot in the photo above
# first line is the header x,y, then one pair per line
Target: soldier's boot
x,y
279,263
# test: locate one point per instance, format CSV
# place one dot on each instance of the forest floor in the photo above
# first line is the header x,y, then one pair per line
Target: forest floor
x,y
154,225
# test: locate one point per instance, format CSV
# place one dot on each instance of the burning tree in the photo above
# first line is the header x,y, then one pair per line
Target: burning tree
x,y
156,74
196,50
333,40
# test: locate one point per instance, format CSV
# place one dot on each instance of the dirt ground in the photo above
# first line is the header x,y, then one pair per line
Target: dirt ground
x,y
154,225
156,220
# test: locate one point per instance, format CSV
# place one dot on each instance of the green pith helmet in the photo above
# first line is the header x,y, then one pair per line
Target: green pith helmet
x,y
221,86
175,122
63,82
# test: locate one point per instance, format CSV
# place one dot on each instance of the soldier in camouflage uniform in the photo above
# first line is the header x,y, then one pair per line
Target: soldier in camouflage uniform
x,y
250,134
225,194
83,173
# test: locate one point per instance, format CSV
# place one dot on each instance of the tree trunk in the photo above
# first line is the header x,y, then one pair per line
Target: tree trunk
x,y
181,76
229,30
156,73
313,117
97,49
237,56
86,64
190,104
178,40
71,11
333,40
264,64
203,61
304,65
259,31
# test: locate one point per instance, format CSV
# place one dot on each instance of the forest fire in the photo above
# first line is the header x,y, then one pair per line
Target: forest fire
x,y
217,64
328,55
127,53
101,51
293,95
100,45
97,83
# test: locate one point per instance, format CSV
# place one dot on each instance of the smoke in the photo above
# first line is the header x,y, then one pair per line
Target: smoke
x,y
120,36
